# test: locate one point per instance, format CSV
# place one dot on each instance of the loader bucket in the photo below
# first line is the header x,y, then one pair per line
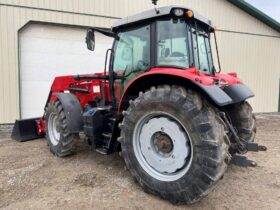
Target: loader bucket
x,y
25,130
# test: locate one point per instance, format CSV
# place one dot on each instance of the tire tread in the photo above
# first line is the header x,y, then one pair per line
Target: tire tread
x,y
210,167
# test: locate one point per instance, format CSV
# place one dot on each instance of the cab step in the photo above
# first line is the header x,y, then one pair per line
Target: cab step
x,y
102,150
107,135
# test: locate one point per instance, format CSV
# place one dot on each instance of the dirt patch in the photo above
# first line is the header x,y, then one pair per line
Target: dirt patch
x,y
32,178
90,179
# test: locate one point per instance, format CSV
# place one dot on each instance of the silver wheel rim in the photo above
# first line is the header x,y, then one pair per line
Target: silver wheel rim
x,y
162,146
53,131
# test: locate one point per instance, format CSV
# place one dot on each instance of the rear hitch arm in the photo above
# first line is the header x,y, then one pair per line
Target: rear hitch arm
x,y
242,146
242,161
254,147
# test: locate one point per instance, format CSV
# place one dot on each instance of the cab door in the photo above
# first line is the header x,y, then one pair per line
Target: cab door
x,y
131,57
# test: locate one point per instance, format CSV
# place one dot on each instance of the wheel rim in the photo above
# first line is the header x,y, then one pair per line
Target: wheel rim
x,y
53,130
162,146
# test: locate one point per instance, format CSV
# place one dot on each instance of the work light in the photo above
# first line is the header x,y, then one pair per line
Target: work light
x,y
178,12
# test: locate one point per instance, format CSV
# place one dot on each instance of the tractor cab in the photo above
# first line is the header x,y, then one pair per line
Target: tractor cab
x,y
170,38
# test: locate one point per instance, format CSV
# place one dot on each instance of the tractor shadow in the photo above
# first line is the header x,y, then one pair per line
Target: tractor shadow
x,y
86,154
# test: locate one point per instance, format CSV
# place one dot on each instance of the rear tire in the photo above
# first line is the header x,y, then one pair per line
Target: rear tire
x,y
61,143
194,121
244,121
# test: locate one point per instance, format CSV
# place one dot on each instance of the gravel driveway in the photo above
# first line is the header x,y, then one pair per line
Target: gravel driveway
x,y
32,178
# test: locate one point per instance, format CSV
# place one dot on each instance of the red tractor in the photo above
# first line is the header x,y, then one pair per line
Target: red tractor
x,y
160,102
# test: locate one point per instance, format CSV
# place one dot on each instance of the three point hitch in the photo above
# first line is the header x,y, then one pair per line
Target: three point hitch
x,y
242,146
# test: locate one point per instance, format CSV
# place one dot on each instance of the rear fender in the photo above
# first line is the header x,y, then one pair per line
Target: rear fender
x,y
219,97
238,92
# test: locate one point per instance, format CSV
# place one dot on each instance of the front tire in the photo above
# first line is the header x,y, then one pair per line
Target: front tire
x,y
174,144
60,141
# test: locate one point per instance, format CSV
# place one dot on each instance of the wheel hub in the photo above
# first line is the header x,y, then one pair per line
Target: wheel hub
x,y
162,146
53,129
162,143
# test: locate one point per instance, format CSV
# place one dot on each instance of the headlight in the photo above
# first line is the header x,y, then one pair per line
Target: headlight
x,y
178,12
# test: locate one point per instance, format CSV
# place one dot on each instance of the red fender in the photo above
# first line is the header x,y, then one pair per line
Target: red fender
x,y
204,81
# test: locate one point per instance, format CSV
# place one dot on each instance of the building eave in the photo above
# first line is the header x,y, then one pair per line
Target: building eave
x,y
256,13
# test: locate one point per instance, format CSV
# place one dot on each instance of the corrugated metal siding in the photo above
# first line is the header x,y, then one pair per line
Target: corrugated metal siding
x,y
224,14
11,20
254,57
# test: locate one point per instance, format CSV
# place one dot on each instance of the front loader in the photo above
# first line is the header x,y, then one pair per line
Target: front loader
x,y
160,102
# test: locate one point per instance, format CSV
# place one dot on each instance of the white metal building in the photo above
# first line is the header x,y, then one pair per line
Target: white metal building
x,y
40,39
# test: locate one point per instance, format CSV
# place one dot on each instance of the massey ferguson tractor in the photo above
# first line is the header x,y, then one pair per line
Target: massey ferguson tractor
x,y
160,102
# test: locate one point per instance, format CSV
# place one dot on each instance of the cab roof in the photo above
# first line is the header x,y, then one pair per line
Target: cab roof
x,y
156,13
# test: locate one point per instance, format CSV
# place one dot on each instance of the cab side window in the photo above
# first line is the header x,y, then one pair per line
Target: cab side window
x,y
132,53
202,51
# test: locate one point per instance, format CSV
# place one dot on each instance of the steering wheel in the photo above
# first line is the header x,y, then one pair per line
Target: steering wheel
x,y
177,54
141,65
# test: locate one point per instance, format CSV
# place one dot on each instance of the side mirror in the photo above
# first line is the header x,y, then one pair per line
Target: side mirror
x,y
90,39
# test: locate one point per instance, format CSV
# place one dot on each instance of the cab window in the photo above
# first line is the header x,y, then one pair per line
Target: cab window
x,y
132,53
202,51
172,43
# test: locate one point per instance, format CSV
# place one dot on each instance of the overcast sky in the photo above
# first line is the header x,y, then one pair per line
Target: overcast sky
x,y
269,7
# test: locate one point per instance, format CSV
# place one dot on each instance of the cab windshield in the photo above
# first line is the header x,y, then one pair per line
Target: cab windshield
x,y
183,46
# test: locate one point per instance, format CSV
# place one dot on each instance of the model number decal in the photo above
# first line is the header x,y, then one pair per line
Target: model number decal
x,y
96,89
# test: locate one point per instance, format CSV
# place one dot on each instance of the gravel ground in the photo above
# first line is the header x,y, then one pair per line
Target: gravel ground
x,y
32,178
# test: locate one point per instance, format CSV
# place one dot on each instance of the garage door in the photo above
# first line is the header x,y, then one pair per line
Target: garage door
x,y
47,51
